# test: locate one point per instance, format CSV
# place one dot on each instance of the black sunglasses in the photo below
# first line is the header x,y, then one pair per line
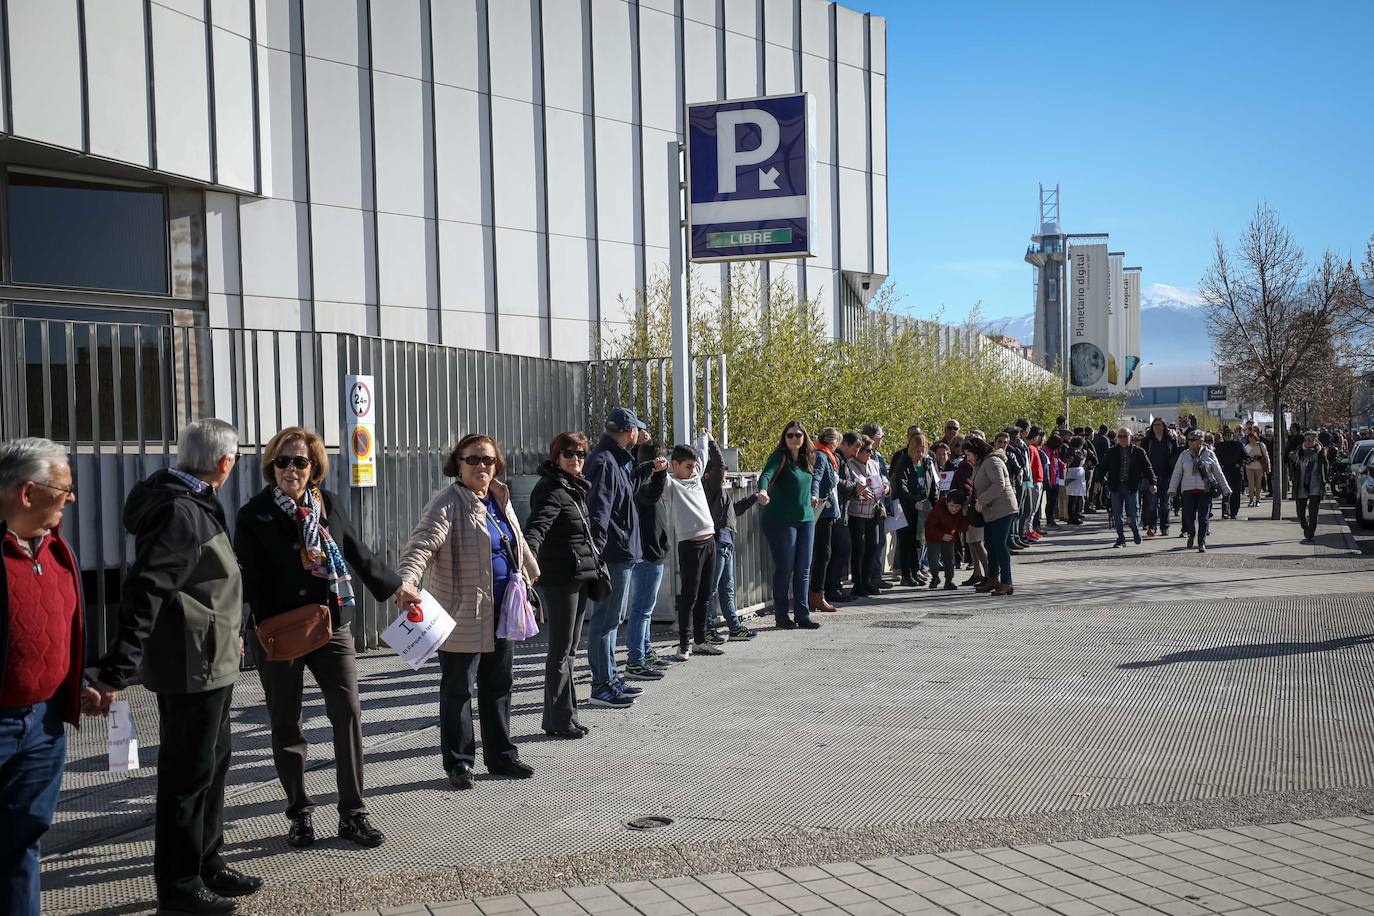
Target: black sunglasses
x,y
574,453
282,462
485,461
796,435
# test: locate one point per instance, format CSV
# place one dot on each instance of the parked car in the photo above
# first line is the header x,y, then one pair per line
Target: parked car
x,y
1345,475
1364,492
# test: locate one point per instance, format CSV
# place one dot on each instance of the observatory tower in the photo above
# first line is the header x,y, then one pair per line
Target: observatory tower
x,y
1046,255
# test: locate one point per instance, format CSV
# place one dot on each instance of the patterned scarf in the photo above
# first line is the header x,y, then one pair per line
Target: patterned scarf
x,y
319,554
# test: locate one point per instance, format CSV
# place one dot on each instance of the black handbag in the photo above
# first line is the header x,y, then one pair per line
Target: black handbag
x,y
598,589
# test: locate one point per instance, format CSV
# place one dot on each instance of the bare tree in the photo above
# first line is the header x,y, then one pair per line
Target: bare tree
x,y
1271,315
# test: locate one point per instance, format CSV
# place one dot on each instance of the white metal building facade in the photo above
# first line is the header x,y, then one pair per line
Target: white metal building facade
x,y
487,174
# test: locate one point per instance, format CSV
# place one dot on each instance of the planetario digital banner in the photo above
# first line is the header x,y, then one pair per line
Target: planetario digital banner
x,y
1131,284
1089,327
1116,323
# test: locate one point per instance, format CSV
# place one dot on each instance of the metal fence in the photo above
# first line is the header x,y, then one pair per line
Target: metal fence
x,y
116,394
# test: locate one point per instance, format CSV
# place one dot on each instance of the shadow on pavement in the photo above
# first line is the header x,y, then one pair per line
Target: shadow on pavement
x,y
1262,650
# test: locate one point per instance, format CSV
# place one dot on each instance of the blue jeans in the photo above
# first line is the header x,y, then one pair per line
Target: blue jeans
x,y
790,544
604,621
1157,514
723,583
997,538
33,748
644,583
1127,499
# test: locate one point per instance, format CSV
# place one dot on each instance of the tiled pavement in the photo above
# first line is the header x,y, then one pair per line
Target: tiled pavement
x,y
1290,869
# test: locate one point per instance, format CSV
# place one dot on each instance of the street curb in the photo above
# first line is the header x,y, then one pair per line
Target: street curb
x,y
1330,509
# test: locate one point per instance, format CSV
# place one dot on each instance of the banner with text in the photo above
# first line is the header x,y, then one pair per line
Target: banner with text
x,y
1116,324
1089,328
1131,284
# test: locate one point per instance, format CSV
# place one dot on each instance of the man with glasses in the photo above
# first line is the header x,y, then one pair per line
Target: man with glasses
x,y
181,613
1127,470
40,657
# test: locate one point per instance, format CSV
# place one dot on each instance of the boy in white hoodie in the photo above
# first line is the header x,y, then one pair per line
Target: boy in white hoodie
x,y
695,531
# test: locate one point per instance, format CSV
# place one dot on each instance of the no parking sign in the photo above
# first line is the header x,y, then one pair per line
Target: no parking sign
x,y
361,403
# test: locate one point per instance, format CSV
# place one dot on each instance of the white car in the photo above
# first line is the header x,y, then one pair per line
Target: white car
x,y
1364,493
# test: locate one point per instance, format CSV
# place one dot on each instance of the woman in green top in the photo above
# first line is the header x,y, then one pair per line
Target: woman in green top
x,y
789,494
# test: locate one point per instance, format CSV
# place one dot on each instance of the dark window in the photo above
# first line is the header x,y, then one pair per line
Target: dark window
x,y
68,232
120,360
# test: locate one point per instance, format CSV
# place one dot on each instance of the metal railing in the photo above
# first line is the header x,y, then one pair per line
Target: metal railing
x,y
116,395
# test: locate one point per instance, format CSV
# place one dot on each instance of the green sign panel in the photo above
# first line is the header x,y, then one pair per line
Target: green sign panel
x,y
753,237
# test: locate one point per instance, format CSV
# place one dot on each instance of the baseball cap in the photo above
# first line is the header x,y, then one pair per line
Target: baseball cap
x,y
624,419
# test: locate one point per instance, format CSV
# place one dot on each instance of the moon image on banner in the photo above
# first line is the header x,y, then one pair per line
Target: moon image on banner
x,y
1086,364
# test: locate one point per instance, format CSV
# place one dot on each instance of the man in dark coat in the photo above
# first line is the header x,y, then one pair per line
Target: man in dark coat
x,y
181,613
1125,472
1162,449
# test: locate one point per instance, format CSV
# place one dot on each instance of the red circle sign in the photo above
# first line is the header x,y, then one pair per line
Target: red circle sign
x,y
362,443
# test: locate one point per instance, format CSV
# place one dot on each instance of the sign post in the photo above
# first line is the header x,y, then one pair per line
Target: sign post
x,y
751,175
360,396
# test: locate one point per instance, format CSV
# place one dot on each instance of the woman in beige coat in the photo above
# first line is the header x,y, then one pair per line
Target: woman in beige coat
x,y
469,547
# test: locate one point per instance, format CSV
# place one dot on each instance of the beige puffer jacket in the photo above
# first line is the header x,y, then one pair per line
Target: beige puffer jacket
x,y
449,552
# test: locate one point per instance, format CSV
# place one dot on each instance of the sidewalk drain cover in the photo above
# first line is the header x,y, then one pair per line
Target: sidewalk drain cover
x,y
649,823
901,624
949,616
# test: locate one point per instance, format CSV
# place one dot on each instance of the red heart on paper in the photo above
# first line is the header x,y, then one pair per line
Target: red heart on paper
x,y
415,615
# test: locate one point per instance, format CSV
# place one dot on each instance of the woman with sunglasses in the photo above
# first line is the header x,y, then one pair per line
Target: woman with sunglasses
x,y
296,548
470,546
789,492
558,533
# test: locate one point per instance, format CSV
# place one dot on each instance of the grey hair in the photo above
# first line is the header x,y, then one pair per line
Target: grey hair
x,y
203,443
31,459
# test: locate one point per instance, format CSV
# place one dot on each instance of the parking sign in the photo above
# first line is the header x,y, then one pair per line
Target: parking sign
x,y
751,178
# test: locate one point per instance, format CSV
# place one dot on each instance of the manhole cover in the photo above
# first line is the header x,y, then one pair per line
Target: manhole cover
x,y
896,624
649,823
949,616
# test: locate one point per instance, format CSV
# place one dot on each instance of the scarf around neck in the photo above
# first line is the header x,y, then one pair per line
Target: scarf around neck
x,y
320,555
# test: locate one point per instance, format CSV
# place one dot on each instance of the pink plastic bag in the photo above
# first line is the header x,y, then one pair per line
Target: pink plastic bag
x,y
517,616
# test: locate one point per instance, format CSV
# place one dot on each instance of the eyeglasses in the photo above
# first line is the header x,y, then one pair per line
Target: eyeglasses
x,y
574,453
485,461
795,435
282,462
70,490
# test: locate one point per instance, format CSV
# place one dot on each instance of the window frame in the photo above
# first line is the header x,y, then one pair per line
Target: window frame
x,y
6,263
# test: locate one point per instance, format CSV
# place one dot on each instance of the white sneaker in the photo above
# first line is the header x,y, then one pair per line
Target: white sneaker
x,y
706,648
683,653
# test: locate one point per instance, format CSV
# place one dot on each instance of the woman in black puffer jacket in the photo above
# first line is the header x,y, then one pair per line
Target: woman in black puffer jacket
x,y
559,534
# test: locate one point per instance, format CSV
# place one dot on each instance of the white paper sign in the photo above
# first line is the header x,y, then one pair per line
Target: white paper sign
x,y
897,520
123,738
418,633
946,478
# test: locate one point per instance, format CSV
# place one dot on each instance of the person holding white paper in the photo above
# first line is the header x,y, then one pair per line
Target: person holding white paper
x,y
469,545
297,548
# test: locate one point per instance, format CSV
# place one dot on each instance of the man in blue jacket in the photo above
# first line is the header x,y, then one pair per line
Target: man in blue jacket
x,y
615,533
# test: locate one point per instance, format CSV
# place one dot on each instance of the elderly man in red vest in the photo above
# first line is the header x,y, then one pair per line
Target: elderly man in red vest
x,y
40,657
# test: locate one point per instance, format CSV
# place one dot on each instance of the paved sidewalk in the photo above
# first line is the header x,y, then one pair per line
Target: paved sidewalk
x,y
1146,690
1287,869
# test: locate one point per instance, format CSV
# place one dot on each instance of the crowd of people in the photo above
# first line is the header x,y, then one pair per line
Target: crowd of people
x,y
602,522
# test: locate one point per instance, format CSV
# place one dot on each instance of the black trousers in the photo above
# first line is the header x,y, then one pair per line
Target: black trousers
x,y
820,554
941,554
336,672
696,560
1051,503
463,675
1307,514
191,766
1076,509
841,545
908,549
565,611
864,546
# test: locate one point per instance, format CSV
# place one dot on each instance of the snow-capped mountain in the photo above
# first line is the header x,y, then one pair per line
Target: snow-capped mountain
x,y
1173,334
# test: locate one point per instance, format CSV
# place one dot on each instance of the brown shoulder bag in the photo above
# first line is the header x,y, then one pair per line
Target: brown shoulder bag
x,y
291,634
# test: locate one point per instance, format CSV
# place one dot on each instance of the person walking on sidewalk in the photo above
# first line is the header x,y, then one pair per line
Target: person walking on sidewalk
x,y
561,539
296,549
1162,449
469,544
1196,473
1311,471
615,534
41,657
1231,456
789,494
180,616
1256,465
995,501
1128,475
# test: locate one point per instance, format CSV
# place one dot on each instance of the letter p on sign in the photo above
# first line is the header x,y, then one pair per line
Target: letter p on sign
x,y
729,158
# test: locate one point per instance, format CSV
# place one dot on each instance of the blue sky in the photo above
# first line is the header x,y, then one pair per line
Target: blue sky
x,y
1164,123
